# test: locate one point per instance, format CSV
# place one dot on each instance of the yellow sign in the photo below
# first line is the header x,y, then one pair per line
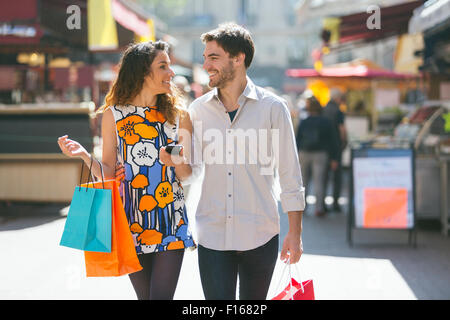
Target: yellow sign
x,y
151,35
320,91
102,31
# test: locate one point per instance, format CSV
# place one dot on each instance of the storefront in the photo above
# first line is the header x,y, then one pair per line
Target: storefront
x,y
432,22
385,120
54,74
375,97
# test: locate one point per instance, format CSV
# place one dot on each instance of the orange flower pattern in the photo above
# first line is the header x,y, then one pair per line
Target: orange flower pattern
x,y
152,195
125,129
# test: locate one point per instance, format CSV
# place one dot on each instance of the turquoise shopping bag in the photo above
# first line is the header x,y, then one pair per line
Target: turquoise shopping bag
x,y
89,220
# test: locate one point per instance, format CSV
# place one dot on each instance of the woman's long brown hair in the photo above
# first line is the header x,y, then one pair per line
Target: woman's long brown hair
x,y
134,67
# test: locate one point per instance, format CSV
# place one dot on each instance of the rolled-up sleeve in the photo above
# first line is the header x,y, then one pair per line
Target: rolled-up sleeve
x,y
292,194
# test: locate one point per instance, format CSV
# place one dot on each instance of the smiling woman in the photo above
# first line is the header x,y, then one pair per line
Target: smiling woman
x,y
145,65
141,116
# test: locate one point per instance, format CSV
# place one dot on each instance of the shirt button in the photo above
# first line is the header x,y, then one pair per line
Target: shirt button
x,y
229,173
229,196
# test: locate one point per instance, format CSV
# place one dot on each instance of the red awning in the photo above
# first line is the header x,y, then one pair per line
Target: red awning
x,y
18,22
128,19
394,20
18,10
350,71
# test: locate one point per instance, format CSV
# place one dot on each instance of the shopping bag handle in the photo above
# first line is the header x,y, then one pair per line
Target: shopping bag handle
x,y
90,173
81,174
288,266
103,175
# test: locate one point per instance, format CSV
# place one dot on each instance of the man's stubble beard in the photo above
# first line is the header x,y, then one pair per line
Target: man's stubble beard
x,y
226,75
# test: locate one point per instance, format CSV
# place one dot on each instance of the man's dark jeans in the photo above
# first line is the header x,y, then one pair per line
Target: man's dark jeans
x,y
219,271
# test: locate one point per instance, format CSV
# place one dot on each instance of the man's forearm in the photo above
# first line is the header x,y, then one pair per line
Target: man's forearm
x,y
295,222
183,171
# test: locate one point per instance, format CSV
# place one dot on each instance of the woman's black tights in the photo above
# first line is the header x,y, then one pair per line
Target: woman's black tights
x,y
159,275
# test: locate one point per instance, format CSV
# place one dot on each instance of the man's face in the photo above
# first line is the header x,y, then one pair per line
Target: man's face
x,y
218,64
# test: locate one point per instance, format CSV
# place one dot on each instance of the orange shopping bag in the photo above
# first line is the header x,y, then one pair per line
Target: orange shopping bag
x,y
123,258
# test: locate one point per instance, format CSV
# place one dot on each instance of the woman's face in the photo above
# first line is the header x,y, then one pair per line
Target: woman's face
x,y
158,81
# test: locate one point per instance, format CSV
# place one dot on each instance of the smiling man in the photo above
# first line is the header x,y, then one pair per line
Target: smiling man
x,y
237,219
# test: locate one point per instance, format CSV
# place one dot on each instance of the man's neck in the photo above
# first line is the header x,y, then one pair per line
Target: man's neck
x,y
230,94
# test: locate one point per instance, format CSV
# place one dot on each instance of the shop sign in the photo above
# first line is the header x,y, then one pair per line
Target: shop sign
x,y
383,191
17,30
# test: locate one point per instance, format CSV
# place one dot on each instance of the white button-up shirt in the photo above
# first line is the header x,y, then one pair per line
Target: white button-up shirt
x,y
238,207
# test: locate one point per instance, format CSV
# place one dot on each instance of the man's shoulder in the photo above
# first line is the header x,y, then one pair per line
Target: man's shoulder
x,y
199,104
270,100
202,99
267,95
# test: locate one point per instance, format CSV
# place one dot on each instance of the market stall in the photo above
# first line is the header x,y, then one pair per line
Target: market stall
x,y
426,131
31,165
374,96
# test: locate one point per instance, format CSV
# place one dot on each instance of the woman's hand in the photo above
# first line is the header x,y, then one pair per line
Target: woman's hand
x,y
71,148
120,172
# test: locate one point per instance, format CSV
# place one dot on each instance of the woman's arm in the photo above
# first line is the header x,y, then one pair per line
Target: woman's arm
x,y
72,148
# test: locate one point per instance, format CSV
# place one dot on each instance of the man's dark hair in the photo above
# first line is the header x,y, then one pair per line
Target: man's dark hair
x,y
234,39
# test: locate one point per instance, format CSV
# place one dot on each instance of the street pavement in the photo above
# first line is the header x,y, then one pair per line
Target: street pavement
x,y
380,264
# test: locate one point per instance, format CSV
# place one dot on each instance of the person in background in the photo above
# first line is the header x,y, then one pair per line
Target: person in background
x,y
237,218
140,117
337,118
184,88
317,145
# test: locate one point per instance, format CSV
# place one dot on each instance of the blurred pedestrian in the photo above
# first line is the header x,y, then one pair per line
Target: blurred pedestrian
x,y
333,112
317,145
140,117
184,88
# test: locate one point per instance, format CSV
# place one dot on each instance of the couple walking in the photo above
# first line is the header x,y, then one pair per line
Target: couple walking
x,y
237,216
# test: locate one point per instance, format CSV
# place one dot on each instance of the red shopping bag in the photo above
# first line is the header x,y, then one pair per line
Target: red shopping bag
x,y
297,291
303,290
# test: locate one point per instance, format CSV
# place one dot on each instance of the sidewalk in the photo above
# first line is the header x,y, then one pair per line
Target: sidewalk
x,y
380,265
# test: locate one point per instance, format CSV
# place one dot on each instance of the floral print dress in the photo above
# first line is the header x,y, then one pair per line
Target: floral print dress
x,y
152,195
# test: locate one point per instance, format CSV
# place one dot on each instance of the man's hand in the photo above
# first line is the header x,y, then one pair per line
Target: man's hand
x,y
292,248
334,165
292,245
